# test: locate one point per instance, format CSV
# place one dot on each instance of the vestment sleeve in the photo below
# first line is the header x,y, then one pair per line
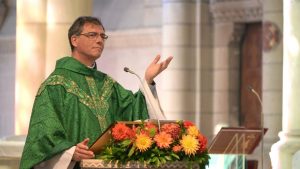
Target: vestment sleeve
x,y
128,106
46,136
60,161
153,105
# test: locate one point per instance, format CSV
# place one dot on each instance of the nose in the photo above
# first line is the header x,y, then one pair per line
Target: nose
x,y
99,39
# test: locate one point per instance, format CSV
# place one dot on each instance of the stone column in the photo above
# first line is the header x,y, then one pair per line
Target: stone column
x,y
272,77
30,58
60,16
179,40
223,33
283,152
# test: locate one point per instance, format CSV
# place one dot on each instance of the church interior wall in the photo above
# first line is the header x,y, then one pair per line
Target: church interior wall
x,y
179,31
134,37
272,77
225,17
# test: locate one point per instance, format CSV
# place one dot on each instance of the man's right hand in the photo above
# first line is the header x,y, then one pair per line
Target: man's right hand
x,y
82,151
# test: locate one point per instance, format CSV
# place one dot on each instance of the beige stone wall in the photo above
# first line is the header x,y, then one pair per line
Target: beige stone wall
x,y
179,39
272,73
206,71
272,78
135,49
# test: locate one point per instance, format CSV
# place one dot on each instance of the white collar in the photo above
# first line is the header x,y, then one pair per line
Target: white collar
x,y
93,66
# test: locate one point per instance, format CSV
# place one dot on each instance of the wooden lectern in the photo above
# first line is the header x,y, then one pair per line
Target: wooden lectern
x,y
232,144
237,140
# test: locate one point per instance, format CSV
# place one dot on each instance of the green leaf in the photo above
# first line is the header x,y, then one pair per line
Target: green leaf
x,y
168,158
131,151
175,155
152,132
125,143
155,159
163,160
152,155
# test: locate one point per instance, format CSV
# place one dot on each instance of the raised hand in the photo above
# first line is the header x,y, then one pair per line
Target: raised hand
x,y
156,68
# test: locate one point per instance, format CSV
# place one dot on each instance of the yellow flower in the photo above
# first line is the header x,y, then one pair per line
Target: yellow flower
x,y
189,144
193,131
143,142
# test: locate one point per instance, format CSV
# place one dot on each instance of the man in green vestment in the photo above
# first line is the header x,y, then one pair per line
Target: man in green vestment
x,y
76,103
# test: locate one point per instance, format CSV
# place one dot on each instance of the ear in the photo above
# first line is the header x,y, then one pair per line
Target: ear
x,y
74,40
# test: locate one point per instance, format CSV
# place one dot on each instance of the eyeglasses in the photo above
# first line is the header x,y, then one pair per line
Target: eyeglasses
x,y
94,35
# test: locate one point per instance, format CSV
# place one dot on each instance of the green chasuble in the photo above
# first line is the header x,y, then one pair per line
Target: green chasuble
x,y
76,102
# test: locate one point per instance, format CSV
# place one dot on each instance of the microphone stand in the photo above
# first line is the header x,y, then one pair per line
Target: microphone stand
x,y
261,123
126,69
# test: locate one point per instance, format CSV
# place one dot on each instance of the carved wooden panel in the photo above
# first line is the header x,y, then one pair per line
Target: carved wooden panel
x,y
251,74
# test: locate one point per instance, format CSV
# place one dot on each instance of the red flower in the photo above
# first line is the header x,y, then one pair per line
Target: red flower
x,y
121,132
131,133
187,124
202,143
171,128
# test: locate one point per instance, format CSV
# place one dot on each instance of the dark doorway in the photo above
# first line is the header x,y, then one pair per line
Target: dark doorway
x,y
251,75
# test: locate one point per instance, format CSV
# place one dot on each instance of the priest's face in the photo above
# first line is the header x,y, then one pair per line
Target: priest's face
x,y
90,43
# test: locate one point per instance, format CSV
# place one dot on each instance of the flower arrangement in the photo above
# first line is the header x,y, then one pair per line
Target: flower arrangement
x,y
176,141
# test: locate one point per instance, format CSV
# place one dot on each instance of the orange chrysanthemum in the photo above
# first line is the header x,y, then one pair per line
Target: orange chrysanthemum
x,y
176,148
189,144
143,142
163,140
121,132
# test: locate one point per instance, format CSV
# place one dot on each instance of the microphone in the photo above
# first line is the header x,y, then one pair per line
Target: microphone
x,y
250,88
126,69
256,94
147,95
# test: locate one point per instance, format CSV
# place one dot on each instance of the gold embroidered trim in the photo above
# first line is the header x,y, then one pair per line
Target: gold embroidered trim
x,y
101,101
71,87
